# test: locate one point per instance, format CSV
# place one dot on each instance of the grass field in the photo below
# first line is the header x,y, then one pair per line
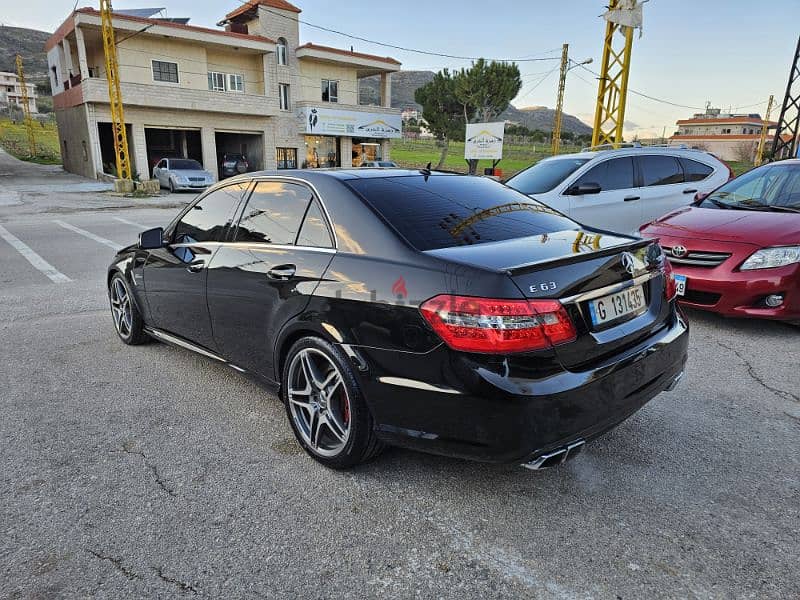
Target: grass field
x,y
418,153
14,140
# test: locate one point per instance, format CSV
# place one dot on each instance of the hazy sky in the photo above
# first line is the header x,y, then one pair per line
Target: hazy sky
x,y
729,52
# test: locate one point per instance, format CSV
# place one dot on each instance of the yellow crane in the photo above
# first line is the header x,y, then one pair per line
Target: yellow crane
x,y
26,106
763,141
562,82
613,88
114,93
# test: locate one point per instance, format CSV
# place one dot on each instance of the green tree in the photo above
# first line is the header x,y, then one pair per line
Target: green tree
x,y
484,91
441,110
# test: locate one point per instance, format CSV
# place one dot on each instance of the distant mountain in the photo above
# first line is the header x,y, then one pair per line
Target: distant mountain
x,y
30,44
405,83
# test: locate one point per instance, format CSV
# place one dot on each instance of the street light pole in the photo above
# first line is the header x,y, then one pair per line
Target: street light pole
x,y
562,82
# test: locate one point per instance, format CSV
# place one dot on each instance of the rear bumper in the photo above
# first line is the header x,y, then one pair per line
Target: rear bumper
x,y
742,293
498,411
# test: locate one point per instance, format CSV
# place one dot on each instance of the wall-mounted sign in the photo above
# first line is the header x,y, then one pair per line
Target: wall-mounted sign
x,y
484,141
350,123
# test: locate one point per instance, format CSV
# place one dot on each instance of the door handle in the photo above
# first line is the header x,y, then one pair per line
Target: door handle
x,y
689,191
283,272
631,198
196,267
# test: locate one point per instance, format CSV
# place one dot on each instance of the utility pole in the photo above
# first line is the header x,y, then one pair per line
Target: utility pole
x,y
26,106
114,93
763,140
612,91
788,125
562,81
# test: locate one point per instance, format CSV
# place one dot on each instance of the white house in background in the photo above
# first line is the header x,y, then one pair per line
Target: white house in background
x,y
11,92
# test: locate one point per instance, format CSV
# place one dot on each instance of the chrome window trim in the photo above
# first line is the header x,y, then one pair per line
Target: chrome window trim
x,y
610,289
259,246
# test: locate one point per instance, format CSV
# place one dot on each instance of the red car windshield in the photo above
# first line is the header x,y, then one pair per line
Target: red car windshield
x,y
771,187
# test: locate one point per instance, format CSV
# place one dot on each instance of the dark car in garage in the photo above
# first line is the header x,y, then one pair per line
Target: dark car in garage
x,y
439,312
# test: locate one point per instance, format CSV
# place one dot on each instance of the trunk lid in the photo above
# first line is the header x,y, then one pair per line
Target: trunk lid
x,y
578,267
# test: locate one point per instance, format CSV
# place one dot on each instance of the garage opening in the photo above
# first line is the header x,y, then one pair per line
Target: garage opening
x,y
239,153
108,152
172,143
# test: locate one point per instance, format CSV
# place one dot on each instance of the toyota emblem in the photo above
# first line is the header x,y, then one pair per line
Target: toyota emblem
x,y
679,252
628,263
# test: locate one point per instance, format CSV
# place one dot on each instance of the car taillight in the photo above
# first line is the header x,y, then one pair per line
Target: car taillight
x,y
490,325
670,289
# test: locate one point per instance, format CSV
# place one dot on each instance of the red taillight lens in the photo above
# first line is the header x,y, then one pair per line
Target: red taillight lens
x,y
670,290
498,326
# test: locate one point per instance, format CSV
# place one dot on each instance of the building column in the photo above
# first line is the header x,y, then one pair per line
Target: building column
x,y
386,90
265,68
83,63
138,153
386,149
346,152
208,141
68,57
95,155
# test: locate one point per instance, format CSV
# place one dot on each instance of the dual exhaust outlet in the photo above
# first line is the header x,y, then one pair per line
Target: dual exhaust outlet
x,y
557,457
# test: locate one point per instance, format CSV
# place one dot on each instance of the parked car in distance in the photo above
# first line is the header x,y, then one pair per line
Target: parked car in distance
x,y
180,174
619,190
736,251
440,312
378,164
233,164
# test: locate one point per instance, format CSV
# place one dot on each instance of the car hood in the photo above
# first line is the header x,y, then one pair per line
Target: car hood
x,y
190,173
750,226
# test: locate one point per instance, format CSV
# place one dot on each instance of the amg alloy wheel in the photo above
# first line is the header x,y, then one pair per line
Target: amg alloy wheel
x,y
127,319
325,406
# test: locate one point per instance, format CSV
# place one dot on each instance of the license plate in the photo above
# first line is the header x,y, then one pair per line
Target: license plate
x,y
615,306
680,284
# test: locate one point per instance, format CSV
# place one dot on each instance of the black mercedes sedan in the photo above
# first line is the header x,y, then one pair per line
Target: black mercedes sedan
x,y
439,312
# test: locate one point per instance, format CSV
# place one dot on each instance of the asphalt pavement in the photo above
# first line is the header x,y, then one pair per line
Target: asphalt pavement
x,y
150,472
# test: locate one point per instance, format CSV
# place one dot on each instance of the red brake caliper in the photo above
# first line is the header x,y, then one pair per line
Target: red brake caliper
x,y
345,408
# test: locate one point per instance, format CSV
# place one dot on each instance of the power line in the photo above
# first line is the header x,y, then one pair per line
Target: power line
x,y
538,83
393,46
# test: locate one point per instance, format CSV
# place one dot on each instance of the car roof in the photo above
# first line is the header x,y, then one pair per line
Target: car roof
x,y
341,174
634,151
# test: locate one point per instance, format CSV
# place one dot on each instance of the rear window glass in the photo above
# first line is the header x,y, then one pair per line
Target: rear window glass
x,y
452,210
661,170
695,171
544,176
185,165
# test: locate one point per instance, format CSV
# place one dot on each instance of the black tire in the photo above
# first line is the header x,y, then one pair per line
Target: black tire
x,y
171,187
130,327
362,443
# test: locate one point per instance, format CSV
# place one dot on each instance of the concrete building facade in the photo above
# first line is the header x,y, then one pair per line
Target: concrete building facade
x,y
11,92
249,88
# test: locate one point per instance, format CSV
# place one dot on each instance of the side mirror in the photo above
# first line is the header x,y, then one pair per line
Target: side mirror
x,y
585,189
700,196
152,239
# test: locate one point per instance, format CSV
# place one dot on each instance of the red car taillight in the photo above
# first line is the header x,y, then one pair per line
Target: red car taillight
x,y
670,289
498,326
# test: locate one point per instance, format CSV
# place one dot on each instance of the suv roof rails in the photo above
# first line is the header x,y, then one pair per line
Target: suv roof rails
x,y
628,145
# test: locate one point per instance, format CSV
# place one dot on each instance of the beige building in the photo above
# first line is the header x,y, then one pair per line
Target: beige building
x,y
730,137
248,87
11,92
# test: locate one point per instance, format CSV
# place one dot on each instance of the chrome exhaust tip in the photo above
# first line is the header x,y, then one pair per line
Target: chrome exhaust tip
x,y
675,382
555,458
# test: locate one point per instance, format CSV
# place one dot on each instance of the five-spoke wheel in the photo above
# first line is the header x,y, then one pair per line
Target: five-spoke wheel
x,y
127,319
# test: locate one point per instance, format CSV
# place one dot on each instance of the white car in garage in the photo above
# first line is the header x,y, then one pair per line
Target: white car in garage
x,y
622,189
179,174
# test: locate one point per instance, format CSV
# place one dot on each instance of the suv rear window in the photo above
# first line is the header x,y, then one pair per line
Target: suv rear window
x,y
695,171
453,210
545,175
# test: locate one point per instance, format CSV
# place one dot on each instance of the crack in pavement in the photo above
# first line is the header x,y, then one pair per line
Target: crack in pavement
x,y
117,562
129,448
181,585
757,378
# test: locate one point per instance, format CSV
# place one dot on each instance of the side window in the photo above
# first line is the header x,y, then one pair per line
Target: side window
x,y
695,171
162,164
661,170
274,213
314,231
208,220
614,174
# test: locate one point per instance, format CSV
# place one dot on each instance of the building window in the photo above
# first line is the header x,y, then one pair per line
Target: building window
x,y
287,158
283,95
165,71
330,90
281,51
216,82
235,82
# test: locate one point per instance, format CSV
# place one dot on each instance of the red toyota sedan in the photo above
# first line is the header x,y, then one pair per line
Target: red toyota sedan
x,y
737,250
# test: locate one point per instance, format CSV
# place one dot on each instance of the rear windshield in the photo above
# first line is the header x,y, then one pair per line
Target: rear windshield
x,y
185,165
453,210
544,176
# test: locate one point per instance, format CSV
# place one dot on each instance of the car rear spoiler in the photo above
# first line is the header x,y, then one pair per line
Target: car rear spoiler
x,y
574,258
